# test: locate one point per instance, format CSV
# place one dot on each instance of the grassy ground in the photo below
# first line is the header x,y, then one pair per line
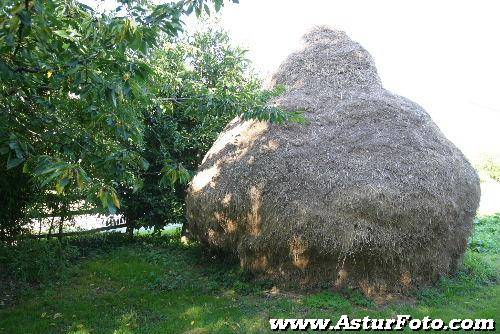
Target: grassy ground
x,y
161,286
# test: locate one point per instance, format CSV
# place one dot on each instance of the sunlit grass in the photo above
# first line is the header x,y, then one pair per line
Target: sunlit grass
x,y
166,287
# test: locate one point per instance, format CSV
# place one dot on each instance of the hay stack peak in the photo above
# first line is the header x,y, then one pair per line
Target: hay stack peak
x,y
368,193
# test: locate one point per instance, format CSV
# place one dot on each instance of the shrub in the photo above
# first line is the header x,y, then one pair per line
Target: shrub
x,y
40,260
36,261
98,243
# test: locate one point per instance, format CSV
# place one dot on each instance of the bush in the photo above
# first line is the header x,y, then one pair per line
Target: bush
x,y
40,260
98,243
36,261
15,194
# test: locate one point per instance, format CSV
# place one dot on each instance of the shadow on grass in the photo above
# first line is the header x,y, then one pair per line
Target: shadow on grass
x,y
159,285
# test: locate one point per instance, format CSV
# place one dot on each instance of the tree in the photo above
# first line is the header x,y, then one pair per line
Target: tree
x,y
71,81
79,95
201,82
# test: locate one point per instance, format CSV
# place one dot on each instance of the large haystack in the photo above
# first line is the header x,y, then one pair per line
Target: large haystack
x,y
368,193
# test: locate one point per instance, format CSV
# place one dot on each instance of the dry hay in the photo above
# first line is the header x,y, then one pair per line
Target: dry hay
x,y
368,193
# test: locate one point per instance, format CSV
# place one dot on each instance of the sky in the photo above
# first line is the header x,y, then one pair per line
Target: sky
x,y
444,55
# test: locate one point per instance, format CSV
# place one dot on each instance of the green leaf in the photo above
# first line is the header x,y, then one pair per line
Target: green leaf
x,y
14,23
62,33
49,179
115,199
111,208
218,5
11,163
50,168
198,10
190,8
61,184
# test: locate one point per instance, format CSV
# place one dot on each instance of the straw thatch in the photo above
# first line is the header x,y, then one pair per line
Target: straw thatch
x,y
367,193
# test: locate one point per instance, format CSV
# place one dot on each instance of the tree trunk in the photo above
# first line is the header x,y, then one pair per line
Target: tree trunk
x,y
60,233
130,229
64,212
50,228
184,230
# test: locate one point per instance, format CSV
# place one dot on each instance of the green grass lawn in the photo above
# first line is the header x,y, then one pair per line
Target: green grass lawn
x,y
166,287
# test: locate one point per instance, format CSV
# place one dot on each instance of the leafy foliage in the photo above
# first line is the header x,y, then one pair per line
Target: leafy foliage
x,y
16,192
36,261
70,78
200,83
72,81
